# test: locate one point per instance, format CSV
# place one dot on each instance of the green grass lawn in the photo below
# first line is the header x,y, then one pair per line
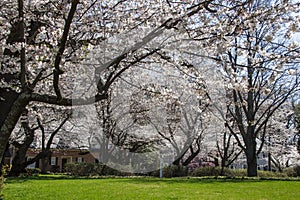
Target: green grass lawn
x,y
55,187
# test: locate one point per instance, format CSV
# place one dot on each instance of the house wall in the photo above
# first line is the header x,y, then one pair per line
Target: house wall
x,y
60,157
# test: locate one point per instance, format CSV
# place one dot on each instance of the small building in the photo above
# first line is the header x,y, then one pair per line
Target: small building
x,y
59,158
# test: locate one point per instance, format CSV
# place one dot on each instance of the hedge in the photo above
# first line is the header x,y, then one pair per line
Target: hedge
x,y
92,169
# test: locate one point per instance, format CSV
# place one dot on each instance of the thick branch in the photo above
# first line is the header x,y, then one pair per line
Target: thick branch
x,y
57,70
51,99
22,37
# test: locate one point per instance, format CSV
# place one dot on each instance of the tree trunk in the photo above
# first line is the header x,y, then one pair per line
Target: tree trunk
x,y
44,162
10,119
177,161
19,161
223,164
251,159
5,107
18,167
252,168
3,158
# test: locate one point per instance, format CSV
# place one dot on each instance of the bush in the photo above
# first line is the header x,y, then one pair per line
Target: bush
x,y
235,172
83,169
206,171
231,173
92,169
1,185
5,169
32,171
175,171
171,171
293,171
270,174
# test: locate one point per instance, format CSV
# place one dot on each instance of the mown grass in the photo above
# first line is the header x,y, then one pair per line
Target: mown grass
x,y
67,188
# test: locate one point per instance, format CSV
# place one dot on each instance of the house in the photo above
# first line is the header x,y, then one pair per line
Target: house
x,y
58,159
262,162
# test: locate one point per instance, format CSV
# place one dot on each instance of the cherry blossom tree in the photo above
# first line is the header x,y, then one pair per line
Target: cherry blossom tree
x,y
260,65
43,41
175,104
296,123
280,139
27,136
117,130
227,150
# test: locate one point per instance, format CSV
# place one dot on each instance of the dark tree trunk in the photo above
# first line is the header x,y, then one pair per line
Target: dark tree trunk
x,y
19,161
44,162
251,159
252,167
222,167
3,158
191,157
11,118
18,165
176,162
5,107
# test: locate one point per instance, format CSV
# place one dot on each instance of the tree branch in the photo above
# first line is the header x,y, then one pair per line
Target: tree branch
x,y
57,71
22,37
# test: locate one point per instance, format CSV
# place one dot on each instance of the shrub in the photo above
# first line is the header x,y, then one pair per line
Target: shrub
x,y
175,171
171,171
235,172
206,171
83,169
5,169
32,171
270,174
231,173
216,171
92,169
293,171
1,185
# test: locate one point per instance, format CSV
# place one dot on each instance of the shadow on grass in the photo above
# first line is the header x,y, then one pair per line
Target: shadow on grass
x,y
38,177
192,180
146,179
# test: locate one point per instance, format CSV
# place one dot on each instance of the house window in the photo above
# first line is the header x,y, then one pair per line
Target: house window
x,y
53,160
79,159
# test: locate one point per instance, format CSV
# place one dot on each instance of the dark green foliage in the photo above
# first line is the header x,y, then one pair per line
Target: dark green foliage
x,y
92,169
83,169
234,172
207,171
270,174
1,185
98,169
231,173
32,171
171,171
293,171
5,170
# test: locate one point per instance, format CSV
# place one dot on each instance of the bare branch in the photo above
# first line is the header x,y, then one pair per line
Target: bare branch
x,y
57,71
